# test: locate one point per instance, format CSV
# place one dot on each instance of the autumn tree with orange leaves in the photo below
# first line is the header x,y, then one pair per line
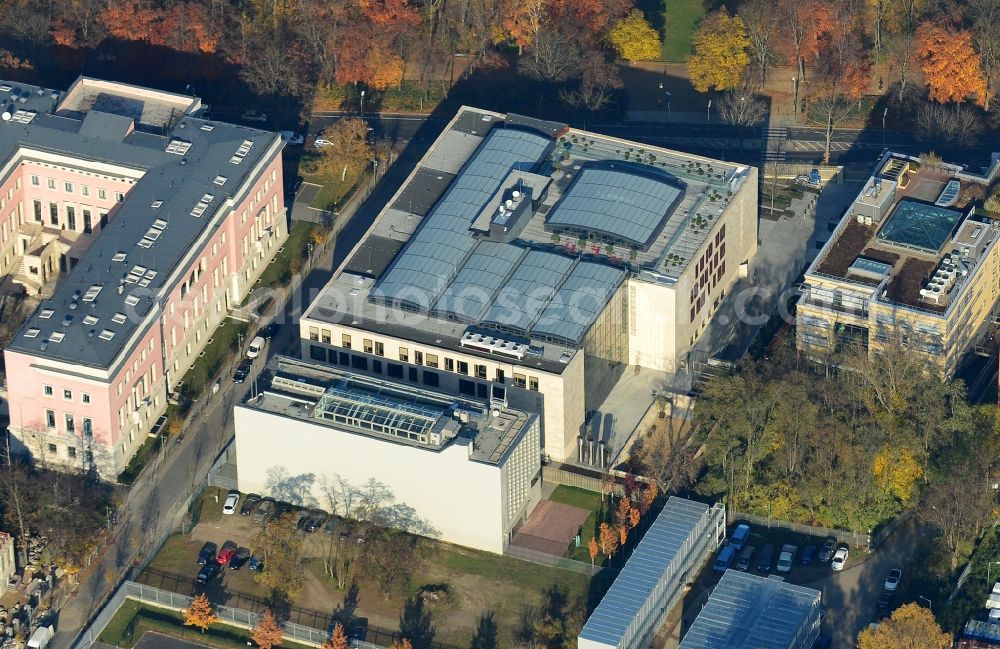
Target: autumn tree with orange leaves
x,y
623,513
950,63
608,539
401,644
802,24
622,535
338,639
200,614
268,633
592,549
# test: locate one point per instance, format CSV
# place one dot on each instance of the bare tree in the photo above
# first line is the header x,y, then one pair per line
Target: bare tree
x,y
985,15
554,56
666,455
741,106
960,505
598,81
947,123
761,23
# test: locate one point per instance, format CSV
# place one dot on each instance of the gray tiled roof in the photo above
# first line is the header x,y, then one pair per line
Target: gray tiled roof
x,y
180,181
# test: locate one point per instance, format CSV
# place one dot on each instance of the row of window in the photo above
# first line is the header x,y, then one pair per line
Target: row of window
x,y
412,374
70,421
71,453
70,210
69,188
377,348
67,394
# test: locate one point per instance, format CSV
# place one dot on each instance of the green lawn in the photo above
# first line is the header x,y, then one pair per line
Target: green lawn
x,y
134,619
336,185
494,568
680,18
279,271
225,340
587,500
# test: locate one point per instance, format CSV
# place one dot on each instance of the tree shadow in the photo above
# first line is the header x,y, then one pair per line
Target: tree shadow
x,y
485,636
415,624
279,604
344,612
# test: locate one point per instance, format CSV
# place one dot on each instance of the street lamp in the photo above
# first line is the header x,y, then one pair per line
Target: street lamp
x,y
884,113
930,606
362,104
708,111
795,95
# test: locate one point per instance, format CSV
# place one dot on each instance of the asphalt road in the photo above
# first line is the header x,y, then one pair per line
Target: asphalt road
x,y
152,505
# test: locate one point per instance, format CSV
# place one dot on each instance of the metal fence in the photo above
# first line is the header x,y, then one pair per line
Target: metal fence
x,y
858,539
543,559
91,633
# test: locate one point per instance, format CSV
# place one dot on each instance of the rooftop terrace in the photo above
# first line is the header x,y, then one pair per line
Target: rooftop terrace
x,y
182,179
911,237
396,413
488,229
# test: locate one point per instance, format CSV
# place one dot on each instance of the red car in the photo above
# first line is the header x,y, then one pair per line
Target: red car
x,y
226,553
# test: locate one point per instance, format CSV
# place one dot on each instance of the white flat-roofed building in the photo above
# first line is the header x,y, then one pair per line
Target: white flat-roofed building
x,y
654,578
454,469
530,263
746,611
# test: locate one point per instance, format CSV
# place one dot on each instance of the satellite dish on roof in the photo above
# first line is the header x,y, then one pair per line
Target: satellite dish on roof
x,y
6,116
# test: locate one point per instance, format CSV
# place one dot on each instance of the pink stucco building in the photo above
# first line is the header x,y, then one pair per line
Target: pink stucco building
x,y
160,221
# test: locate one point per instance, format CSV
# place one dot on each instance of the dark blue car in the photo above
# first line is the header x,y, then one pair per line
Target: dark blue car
x,y
808,555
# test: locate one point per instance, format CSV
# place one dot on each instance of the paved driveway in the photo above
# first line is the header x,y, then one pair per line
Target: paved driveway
x,y
851,596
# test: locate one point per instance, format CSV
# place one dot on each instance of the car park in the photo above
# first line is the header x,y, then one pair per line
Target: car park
x,y
226,553
242,370
256,345
839,558
239,559
207,553
255,564
829,547
207,573
250,502
233,499
746,556
265,510
892,581
808,554
786,558
765,558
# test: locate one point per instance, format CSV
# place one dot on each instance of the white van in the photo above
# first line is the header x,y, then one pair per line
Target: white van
x,y
256,346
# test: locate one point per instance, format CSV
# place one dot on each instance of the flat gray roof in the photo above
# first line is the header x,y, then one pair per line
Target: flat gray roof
x,y
750,612
649,562
153,240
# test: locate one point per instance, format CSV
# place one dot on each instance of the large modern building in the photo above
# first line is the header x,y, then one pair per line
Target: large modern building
x,y
155,222
655,577
747,611
459,470
912,263
529,264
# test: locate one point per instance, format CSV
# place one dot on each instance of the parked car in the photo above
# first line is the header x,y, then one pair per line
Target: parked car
x,y
253,116
207,573
250,502
226,553
739,536
283,509
322,142
255,564
242,370
885,598
233,499
808,554
331,525
267,331
746,556
725,558
207,553
239,559
829,547
265,510
256,345
839,558
765,558
315,520
292,138
892,581
787,557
